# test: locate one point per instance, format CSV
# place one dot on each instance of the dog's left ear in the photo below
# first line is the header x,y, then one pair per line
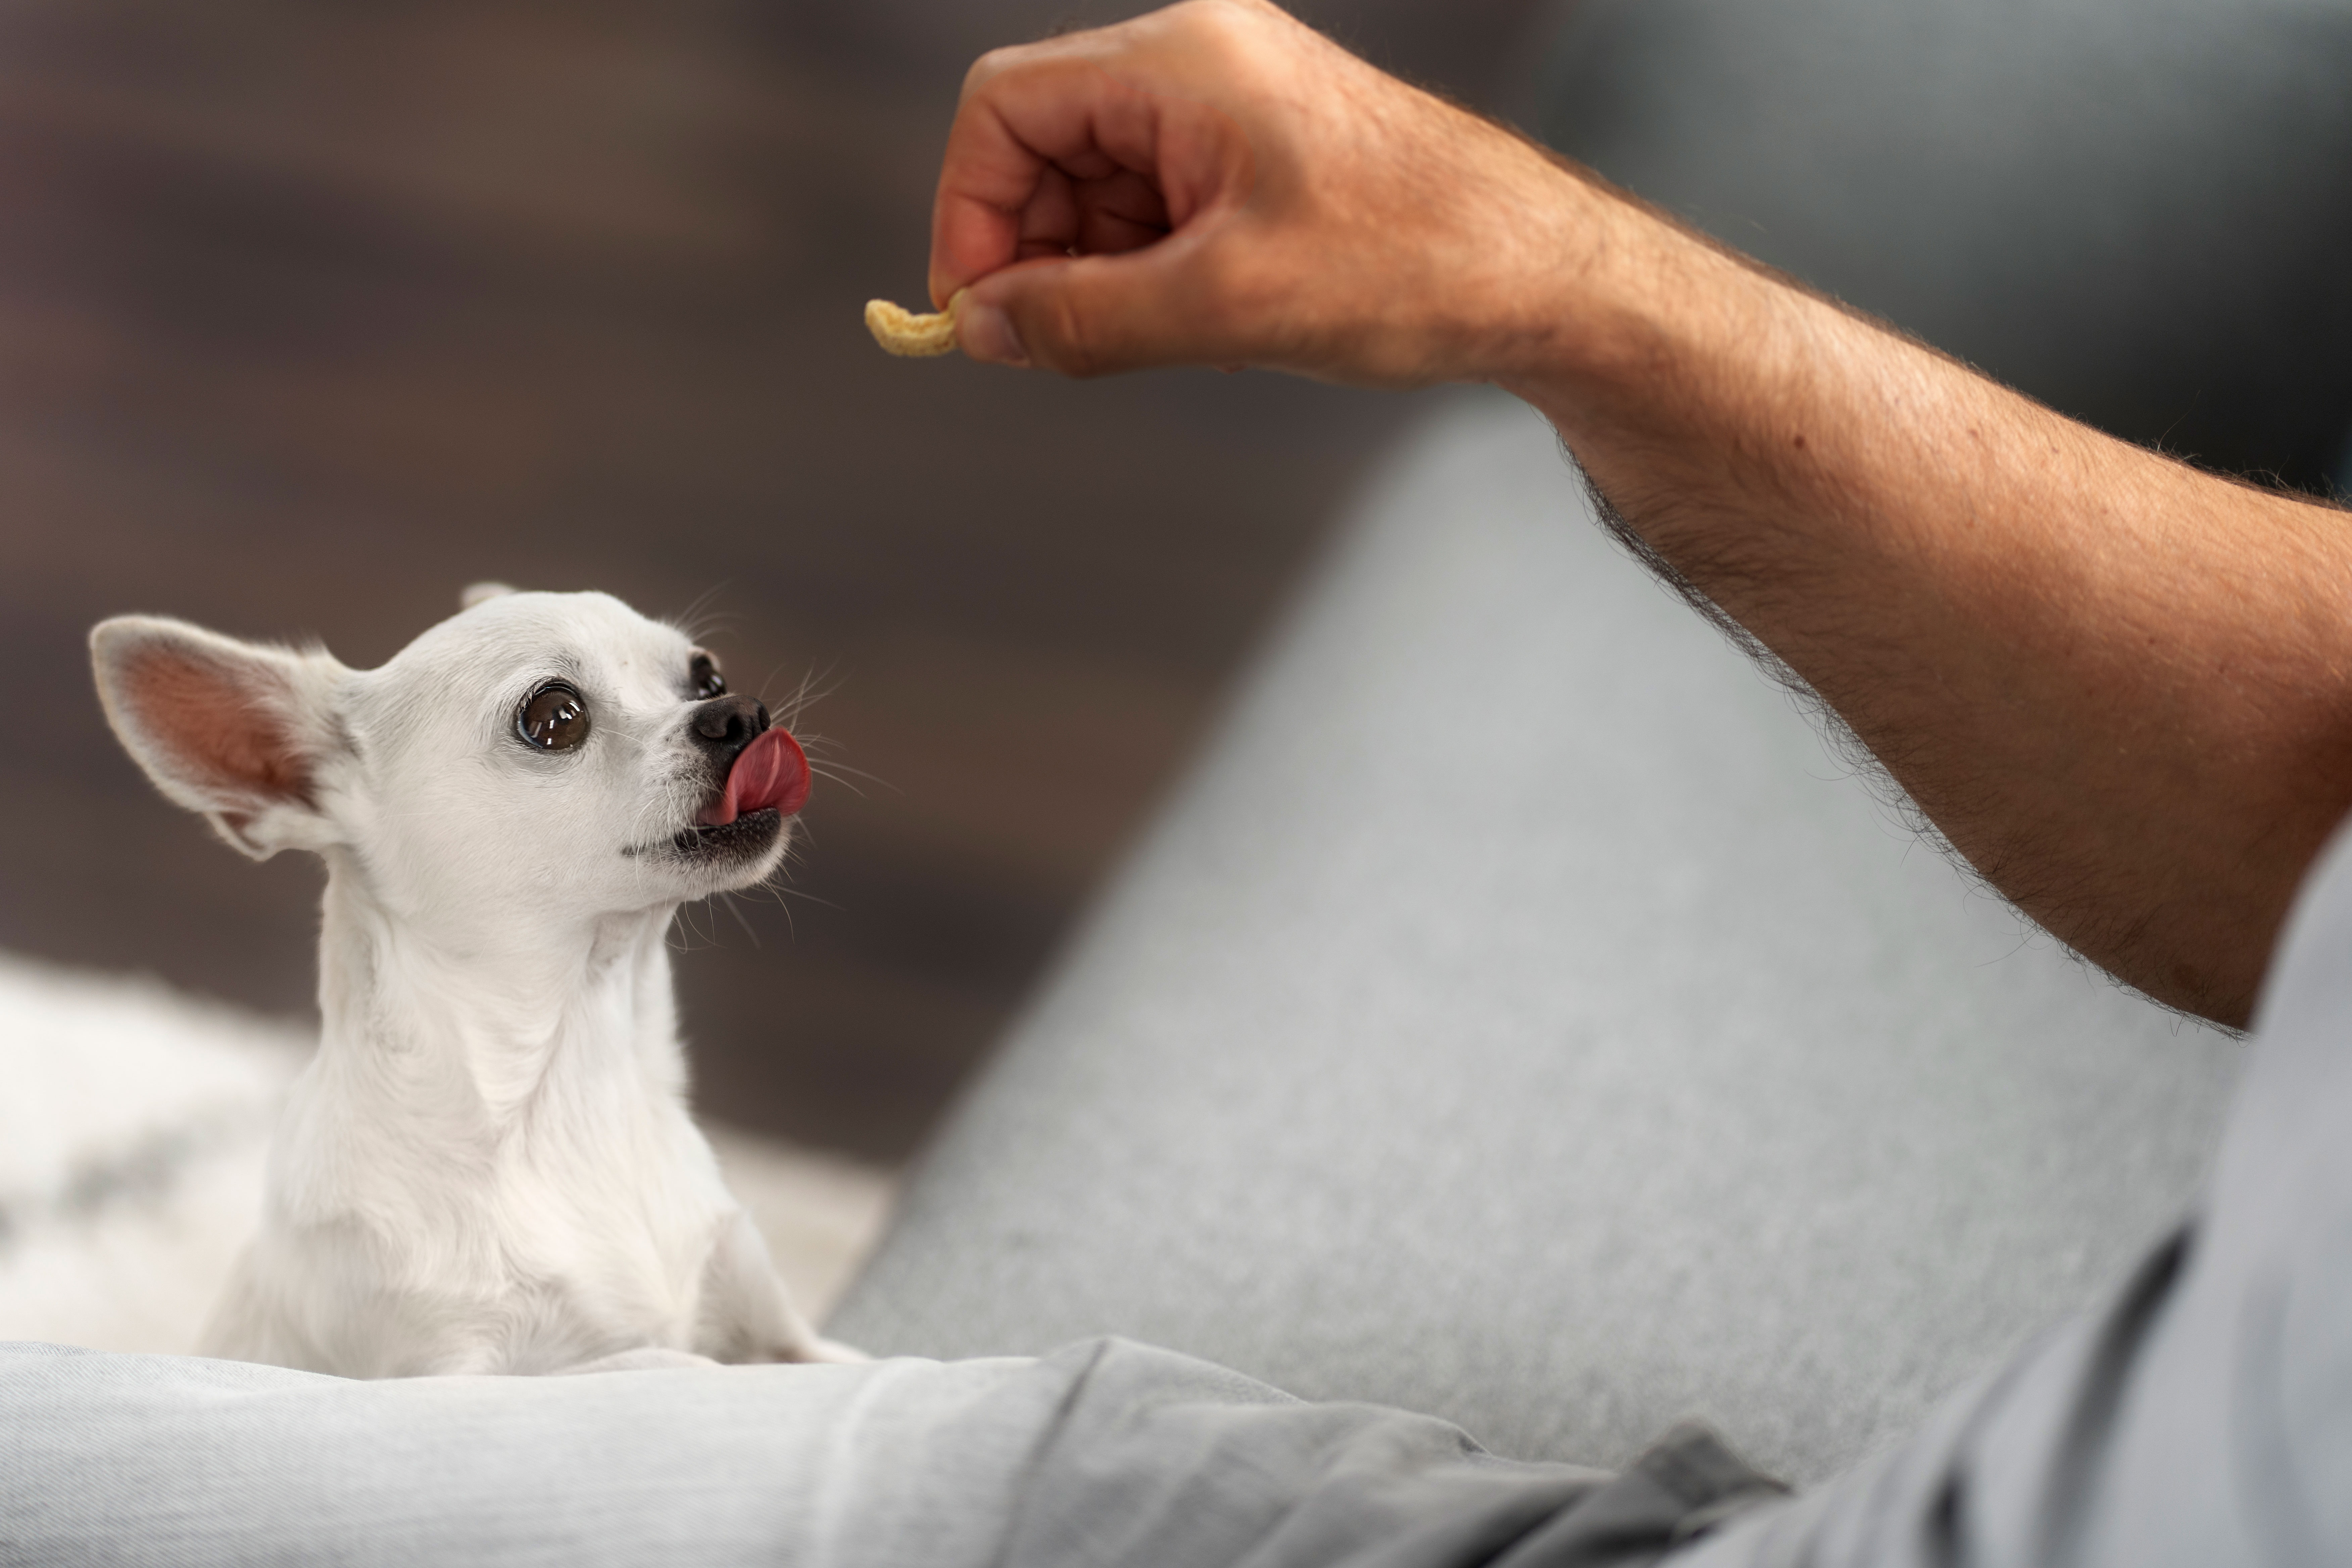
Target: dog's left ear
x,y
238,730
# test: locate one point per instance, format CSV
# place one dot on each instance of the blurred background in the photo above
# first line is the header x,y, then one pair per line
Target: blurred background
x,y
310,315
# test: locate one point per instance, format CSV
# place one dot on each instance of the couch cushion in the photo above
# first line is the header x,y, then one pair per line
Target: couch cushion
x,y
1518,1018
2134,210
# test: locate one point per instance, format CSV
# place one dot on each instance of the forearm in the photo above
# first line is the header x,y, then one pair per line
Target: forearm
x,y
2122,688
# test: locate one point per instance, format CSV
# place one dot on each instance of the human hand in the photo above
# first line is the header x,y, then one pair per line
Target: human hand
x,y
1217,184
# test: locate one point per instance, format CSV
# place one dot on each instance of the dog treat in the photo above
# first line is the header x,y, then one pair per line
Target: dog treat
x,y
909,336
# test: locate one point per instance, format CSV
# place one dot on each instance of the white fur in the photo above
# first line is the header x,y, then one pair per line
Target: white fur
x,y
488,1166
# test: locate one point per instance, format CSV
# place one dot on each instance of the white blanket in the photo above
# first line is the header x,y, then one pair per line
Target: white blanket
x,y
135,1125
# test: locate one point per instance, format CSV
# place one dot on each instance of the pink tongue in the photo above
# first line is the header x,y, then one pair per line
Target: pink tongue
x,y
772,772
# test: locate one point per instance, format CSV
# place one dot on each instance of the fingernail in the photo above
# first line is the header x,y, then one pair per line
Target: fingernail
x,y
986,333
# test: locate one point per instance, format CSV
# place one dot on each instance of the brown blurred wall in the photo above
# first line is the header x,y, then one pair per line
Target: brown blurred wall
x,y
310,314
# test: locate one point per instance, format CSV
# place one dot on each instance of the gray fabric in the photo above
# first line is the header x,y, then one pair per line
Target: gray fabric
x,y
160,1459
1518,1020
1104,1453
2133,209
2204,1415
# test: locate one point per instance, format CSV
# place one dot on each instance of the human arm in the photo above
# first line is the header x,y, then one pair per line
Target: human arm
x,y
2122,688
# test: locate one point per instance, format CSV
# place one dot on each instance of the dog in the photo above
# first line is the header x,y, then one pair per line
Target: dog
x,y
488,1166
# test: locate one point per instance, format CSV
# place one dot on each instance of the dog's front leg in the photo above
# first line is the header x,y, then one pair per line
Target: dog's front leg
x,y
747,1313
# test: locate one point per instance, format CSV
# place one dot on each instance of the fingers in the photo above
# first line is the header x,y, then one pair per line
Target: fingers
x,y
1053,152
1048,222
1124,212
1093,315
1217,184
1027,126
1081,217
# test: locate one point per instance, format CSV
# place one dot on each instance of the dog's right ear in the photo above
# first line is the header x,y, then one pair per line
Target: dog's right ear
x,y
481,593
236,730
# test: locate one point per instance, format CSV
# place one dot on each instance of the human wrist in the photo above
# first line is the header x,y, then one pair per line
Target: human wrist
x,y
1608,310
1505,281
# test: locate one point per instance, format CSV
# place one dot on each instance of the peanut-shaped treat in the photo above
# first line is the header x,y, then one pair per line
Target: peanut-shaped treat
x,y
909,336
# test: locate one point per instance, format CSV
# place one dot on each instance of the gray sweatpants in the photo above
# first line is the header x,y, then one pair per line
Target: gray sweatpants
x,y
1105,1453
2202,1416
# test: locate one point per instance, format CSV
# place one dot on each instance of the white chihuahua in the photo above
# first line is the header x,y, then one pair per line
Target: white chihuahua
x,y
488,1166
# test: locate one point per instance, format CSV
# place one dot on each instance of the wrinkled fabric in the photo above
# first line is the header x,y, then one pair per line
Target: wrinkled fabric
x,y
1106,1452
2203,1414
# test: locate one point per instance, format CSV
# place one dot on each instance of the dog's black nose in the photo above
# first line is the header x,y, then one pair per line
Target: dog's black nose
x,y
725,725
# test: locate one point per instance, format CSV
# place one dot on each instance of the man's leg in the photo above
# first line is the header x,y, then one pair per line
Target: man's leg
x,y
1104,1452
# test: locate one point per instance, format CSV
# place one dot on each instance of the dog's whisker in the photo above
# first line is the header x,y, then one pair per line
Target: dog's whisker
x,y
805,696
698,621
843,775
727,899
782,892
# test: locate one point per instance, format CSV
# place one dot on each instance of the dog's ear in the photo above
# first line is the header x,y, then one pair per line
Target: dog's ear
x,y
474,594
236,730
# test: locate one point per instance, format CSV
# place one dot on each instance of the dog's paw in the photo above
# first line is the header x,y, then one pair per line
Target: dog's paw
x,y
822,1350
643,1358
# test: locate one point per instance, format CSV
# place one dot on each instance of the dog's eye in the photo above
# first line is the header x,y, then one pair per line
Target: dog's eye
x,y
554,718
703,674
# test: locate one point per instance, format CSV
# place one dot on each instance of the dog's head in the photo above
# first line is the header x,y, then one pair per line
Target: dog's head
x,y
556,750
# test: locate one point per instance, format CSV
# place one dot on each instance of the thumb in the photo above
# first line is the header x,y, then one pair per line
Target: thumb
x,y
1089,315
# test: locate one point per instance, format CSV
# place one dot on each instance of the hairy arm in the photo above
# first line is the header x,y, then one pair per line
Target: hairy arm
x,y
2122,688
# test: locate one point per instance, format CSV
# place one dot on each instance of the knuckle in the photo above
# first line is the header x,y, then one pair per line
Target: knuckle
x,y
995,63
1216,21
1228,39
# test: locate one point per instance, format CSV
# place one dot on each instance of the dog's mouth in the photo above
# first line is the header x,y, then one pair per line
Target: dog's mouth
x,y
771,773
768,781
749,833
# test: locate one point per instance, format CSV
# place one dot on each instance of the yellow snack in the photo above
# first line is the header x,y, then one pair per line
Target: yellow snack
x,y
909,336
